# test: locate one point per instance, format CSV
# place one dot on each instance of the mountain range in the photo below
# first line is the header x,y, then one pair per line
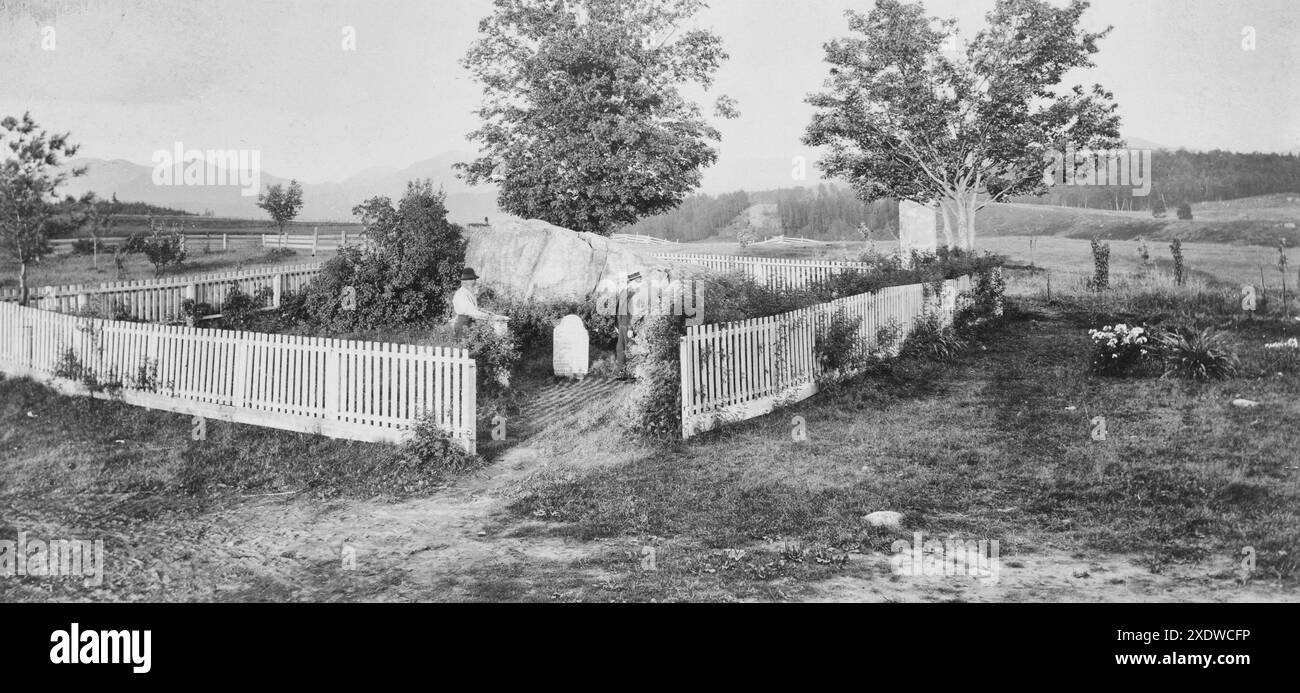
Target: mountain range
x,y
333,201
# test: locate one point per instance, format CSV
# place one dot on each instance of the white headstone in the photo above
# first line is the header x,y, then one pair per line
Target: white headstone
x,y
572,345
917,228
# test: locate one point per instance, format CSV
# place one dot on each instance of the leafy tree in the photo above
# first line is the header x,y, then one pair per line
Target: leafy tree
x,y
405,275
29,182
98,217
283,204
164,247
583,122
904,118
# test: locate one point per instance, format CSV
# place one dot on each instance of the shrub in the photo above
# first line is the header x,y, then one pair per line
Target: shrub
x,y
656,405
240,310
406,275
164,247
1203,355
431,446
1280,358
496,356
1118,348
836,344
83,246
1176,248
1184,211
279,255
1101,265
931,339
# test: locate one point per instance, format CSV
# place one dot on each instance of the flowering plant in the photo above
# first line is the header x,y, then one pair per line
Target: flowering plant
x,y
1291,343
1117,348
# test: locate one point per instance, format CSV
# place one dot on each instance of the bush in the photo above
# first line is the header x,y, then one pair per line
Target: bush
x,y
83,246
1184,211
496,356
406,275
656,405
931,339
1100,265
1203,355
1118,348
279,255
836,344
1176,248
430,445
241,310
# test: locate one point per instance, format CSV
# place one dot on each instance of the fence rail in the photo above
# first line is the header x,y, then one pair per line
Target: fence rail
x,y
644,240
740,370
342,389
778,273
316,242
159,300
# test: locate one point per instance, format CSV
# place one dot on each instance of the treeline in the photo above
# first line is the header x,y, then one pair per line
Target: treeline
x,y
832,213
698,217
1183,176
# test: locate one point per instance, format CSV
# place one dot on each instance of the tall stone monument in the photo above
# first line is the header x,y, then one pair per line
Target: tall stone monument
x,y
917,228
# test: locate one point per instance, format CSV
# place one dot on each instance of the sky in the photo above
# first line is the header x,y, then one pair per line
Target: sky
x,y
130,77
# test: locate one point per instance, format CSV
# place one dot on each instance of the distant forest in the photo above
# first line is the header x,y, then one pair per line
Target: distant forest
x,y
830,212
1183,176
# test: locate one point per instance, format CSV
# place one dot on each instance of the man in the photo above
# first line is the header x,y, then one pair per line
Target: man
x,y
625,324
464,304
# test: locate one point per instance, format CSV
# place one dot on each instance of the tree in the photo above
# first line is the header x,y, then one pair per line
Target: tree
x,y
98,217
904,118
29,182
583,122
282,203
164,247
405,275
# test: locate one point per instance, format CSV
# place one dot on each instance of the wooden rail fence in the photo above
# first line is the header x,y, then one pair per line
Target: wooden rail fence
x,y
338,388
740,370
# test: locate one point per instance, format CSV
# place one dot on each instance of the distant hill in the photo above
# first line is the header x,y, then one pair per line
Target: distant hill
x,y
322,202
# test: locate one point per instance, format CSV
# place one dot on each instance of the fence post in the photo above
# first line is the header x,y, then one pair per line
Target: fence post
x,y
83,301
332,368
344,239
241,372
225,242
469,386
687,393
27,339
277,289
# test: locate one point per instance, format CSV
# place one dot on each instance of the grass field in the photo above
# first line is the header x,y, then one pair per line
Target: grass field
x,y
993,445
79,269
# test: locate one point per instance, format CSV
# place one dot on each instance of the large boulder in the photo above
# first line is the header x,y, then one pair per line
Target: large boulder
x,y
543,262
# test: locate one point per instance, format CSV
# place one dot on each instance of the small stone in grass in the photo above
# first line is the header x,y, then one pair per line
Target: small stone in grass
x,y
884,518
1244,403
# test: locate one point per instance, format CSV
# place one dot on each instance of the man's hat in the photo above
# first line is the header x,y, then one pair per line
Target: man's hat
x,y
467,274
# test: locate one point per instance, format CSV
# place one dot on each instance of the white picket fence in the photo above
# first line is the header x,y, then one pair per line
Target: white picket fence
x,y
342,389
778,273
740,370
159,300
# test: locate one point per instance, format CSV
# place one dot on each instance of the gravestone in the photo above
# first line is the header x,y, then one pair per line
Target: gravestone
x,y
572,345
917,228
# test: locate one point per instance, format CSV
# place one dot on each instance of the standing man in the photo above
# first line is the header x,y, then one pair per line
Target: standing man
x,y
625,324
464,304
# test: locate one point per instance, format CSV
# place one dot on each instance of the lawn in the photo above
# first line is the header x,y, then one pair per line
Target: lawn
x,y
995,444
57,270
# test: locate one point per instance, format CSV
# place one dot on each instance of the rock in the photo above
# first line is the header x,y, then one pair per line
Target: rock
x,y
1244,403
884,518
540,261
